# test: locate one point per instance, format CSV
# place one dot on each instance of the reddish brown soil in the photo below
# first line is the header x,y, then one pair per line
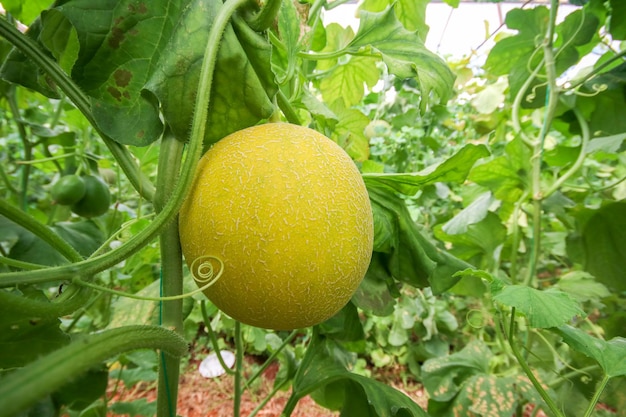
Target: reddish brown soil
x,y
203,397
213,397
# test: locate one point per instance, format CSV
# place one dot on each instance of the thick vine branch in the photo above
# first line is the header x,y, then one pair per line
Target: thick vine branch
x,y
37,379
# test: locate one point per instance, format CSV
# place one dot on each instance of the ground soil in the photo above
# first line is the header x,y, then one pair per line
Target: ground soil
x,y
213,397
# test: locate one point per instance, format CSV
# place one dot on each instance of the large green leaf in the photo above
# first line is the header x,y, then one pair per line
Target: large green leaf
x,y
516,55
345,326
61,39
18,69
606,108
454,169
345,82
374,294
354,394
608,144
403,52
412,13
488,396
617,23
610,355
348,132
583,287
444,376
475,212
404,252
120,44
243,83
544,309
507,53
24,338
80,392
84,236
478,242
603,245
137,58
506,176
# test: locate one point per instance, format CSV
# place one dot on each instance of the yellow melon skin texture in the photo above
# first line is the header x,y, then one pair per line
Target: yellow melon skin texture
x,y
287,212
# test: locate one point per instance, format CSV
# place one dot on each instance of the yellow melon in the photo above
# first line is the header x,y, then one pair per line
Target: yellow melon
x,y
286,211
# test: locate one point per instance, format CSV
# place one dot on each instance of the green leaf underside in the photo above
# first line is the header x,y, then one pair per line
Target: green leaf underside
x,y
84,236
544,309
402,252
345,82
473,213
505,175
24,339
354,394
444,376
604,245
412,13
610,355
454,169
240,81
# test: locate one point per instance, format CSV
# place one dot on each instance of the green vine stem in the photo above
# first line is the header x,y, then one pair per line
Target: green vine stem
x,y
271,358
20,264
29,48
586,136
596,396
170,155
239,350
26,144
213,339
309,355
7,182
517,105
267,399
287,108
265,17
529,373
29,223
67,302
516,238
25,386
588,77
552,99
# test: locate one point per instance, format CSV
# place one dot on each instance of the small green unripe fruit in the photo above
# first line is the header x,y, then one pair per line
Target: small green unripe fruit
x,y
96,200
287,212
68,190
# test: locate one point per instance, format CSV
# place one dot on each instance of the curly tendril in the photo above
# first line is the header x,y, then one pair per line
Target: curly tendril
x,y
203,270
204,274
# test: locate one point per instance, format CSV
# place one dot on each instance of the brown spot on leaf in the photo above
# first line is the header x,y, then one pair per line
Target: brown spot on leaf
x,y
139,8
141,134
122,77
116,38
117,34
115,93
